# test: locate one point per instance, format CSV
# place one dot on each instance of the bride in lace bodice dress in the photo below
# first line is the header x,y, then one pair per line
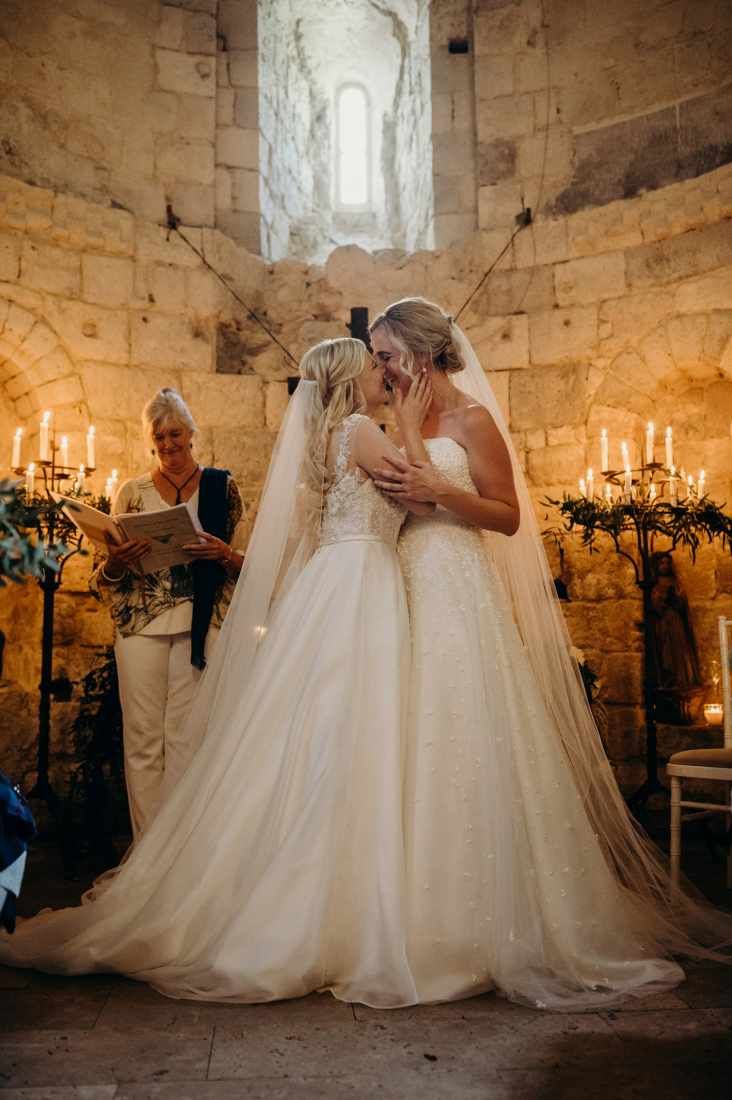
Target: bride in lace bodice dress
x,y
276,866
523,870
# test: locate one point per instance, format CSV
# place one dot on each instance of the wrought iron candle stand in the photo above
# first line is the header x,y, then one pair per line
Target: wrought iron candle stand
x,y
647,507
52,528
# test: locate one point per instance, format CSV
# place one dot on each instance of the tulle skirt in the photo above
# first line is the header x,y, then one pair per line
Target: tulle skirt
x,y
507,885
277,866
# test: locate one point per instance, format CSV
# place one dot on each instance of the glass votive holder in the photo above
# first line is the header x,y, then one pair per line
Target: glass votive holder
x,y
713,714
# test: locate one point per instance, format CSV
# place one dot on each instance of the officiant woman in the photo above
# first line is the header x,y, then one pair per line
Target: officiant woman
x,y
167,621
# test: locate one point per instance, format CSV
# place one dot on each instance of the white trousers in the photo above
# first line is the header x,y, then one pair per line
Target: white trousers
x,y
156,685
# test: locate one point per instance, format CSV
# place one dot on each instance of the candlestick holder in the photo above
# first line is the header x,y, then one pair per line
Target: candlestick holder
x,y
52,528
648,505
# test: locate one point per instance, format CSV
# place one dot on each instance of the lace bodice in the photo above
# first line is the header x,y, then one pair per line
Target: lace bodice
x,y
354,507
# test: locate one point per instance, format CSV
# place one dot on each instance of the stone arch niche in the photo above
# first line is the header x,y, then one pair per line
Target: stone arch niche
x,y
678,374
37,373
306,53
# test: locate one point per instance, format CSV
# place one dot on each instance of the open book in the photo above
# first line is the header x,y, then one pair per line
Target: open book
x,y
168,530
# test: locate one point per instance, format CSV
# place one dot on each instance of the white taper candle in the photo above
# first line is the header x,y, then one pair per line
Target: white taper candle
x,y
15,461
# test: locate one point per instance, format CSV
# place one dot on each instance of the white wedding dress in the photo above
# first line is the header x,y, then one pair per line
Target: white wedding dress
x,y
507,885
276,866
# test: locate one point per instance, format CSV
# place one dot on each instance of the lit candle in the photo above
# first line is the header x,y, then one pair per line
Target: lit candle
x,y
713,714
91,458
702,479
45,440
624,455
590,483
690,485
650,433
115,480
582,487
672,489
30,479
64,450
15,461
604,451
669,448
628,481
608,492
652,492
108,488
80,478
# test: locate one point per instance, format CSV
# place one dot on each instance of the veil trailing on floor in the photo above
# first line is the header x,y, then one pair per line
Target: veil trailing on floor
x,y
683,923
280,545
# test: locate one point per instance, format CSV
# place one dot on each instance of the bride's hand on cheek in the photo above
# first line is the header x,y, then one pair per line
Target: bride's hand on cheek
x,y
411,408
418,481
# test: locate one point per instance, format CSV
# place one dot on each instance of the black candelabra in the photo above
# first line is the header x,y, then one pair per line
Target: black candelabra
x,y
638,505
53,529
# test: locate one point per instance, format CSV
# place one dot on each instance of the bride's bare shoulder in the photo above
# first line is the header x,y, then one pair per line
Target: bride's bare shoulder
x,y
474,420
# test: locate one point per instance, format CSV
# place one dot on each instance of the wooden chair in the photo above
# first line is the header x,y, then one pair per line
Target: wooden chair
x,y
704,764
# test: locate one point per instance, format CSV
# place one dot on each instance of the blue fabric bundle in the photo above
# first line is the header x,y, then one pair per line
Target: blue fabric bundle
x,y
17,829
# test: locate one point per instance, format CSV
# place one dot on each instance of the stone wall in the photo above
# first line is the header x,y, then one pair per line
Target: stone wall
x,y
112,102
606,317
453,122
582,103
242,154
557,105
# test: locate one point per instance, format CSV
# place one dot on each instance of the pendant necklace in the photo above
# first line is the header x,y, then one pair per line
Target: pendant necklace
x,y
179,488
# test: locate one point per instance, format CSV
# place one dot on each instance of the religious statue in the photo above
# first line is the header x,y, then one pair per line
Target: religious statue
x,y
678,677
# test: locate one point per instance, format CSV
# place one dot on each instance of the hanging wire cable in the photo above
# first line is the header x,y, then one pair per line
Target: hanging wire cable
x,y
483,278
525,219
173,224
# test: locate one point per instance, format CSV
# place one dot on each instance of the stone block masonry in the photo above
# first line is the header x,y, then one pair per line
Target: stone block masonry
x,y
608,317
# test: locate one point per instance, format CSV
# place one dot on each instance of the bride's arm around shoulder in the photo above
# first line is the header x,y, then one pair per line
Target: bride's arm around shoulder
x,y
372,450
494,507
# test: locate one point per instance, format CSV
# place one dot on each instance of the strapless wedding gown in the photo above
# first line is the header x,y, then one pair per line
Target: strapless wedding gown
x,y
506,884
276,867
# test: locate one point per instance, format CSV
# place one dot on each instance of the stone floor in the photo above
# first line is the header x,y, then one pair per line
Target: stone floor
x,y
108,1037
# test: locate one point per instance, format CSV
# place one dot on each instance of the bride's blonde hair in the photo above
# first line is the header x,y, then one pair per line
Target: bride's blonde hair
x,y
335,366
420,328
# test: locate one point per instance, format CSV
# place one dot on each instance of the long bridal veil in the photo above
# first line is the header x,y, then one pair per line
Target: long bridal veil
x,y
680,922
280,545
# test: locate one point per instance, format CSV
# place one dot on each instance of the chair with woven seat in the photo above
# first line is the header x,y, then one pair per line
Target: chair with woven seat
x,y
715,764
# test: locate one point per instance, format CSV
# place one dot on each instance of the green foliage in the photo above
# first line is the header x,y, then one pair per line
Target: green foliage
x,y
34,533
687,524
23,551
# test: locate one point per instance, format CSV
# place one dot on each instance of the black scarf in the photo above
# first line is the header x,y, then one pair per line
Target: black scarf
x,y
208,576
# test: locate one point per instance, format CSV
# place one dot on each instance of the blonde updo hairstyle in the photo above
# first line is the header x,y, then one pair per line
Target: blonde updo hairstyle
x,y
420,329
335,366
166,407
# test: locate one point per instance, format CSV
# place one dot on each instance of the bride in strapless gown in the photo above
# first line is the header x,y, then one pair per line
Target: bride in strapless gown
x,y
523,869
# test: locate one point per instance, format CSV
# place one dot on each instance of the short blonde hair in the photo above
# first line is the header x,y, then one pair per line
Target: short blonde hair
x,y
420,328
166,405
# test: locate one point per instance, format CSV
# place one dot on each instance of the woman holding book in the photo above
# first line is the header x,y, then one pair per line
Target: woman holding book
x,y
166,621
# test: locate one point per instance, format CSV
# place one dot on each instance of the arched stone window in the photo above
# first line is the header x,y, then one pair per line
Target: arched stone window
x,y
353,149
